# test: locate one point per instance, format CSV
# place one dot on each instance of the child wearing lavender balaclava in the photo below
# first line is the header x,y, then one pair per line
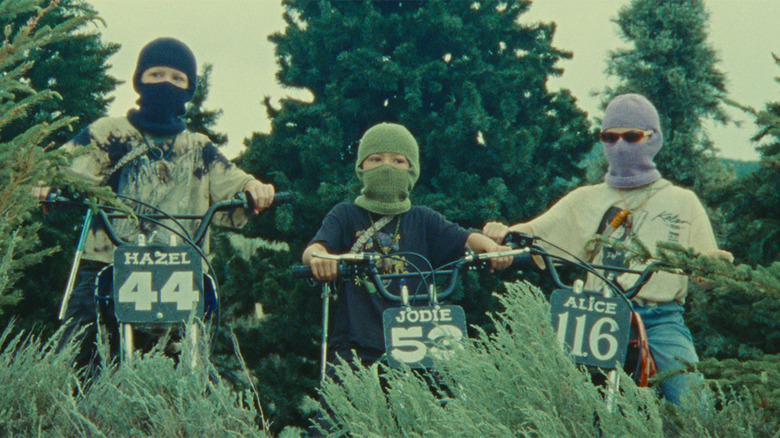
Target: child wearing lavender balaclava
x,y
653,210
631,164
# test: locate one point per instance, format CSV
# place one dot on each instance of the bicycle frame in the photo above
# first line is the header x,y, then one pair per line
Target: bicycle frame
x,y
414,334
153,286
595,327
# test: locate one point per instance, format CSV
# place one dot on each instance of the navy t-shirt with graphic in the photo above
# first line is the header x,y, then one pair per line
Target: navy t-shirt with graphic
x,y
357,322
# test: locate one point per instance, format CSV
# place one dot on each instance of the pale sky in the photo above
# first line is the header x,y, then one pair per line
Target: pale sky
x,y
232,35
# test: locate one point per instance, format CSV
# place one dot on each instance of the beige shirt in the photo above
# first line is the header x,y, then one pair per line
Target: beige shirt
x,y
659,212
180,176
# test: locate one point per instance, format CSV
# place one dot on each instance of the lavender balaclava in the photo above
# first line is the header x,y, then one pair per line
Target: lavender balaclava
x,y
631,164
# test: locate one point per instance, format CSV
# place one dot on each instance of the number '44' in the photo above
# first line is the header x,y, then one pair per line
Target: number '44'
x,y
178,289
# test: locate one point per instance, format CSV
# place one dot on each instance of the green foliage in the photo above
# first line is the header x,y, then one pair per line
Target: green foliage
x,y
518,382
751,379
727,414
36,379
740,319
739,322
515,382
54,50
273,327
671,63
741,167
199,119
27,122
72,65
735,324
466,78
740,316
751,205
150,396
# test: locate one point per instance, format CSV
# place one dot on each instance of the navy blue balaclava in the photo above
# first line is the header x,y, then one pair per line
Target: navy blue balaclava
x,y
161,105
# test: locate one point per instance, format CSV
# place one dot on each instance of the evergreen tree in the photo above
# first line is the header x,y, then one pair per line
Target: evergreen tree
x,y
74,68
751,209
672,64
199,119
25,132
468,81
754,199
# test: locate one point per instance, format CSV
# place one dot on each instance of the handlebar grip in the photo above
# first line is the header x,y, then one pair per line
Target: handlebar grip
x,y
304,271
279,198
283,198
523,262
301,271
57,195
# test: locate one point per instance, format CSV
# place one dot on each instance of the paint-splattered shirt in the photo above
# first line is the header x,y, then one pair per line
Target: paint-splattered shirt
x,y
183,174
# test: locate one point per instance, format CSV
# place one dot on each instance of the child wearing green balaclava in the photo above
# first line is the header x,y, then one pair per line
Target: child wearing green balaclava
x,y
383,220
386,188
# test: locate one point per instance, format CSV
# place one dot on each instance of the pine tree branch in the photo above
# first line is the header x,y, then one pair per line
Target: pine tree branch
x,y
759,280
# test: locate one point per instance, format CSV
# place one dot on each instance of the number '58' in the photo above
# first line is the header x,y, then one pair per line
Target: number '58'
x,y
408,346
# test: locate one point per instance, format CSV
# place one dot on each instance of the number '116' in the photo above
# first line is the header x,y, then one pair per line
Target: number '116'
x,y
601,330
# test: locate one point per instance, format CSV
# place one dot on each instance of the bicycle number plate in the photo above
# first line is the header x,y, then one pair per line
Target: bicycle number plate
x,y
594,329
414,335
157,284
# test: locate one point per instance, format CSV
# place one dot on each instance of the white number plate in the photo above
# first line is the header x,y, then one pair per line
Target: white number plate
x,y
594,329
157,284
414,335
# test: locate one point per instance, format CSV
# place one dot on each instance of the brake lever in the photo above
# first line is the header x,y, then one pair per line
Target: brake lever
x,y
517,240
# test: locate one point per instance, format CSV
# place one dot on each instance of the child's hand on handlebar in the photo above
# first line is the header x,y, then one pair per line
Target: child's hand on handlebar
x,y
495,231
41,193
324,269
261,194
500,263
321,268
481,244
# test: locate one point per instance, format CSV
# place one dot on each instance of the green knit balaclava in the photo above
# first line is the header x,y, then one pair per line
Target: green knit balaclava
x,y
386,188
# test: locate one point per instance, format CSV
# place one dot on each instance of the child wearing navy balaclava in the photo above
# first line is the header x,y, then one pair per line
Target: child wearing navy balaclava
x,y
162,104
651,209
151,157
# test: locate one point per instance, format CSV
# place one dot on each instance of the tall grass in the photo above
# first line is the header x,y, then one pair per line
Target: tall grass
x,y
152,395
518,382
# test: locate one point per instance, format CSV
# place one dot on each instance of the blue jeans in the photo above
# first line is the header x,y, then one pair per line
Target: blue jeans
x,y
670,343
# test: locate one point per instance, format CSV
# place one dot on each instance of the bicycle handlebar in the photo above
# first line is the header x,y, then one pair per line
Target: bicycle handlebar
x,y
355,264
517,239
239,201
